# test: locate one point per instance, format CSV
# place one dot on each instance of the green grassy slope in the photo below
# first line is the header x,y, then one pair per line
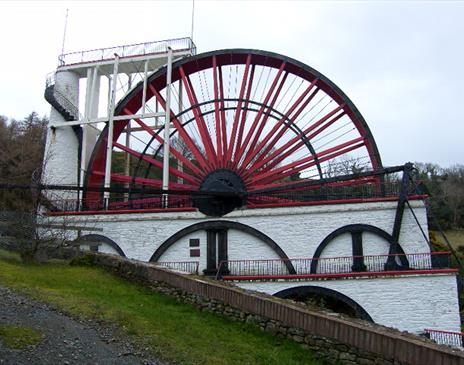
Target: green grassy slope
x,y
177,332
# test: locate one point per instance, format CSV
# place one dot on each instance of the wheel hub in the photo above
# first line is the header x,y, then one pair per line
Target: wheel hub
x,y
224,191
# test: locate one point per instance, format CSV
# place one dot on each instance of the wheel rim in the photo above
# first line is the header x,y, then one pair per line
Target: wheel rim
x,y
263,117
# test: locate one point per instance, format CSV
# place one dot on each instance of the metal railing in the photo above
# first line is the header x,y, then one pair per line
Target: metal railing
x,y
455,339
59,98
317,196
334,265
333,192
115,204
184,266
130,50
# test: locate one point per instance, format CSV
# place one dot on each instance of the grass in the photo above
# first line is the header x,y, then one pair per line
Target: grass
x,y
176,332
455,237
16,337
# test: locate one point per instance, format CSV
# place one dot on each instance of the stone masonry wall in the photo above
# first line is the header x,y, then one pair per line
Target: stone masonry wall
x,y
331,338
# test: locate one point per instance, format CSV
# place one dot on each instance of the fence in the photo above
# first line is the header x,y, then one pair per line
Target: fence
x,y
336,191
455,339
334,265
139,49
118,202
184,266
151,200
58,99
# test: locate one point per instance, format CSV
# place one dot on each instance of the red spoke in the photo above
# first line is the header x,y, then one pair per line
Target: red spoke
x,y
252,150
183,133
178,155
238,157
159,164
238,111
217,113
223,115
267,199
293,145
308,165
300,143
147,182
281,123
201,124
302,164
293,185
328,122
261,110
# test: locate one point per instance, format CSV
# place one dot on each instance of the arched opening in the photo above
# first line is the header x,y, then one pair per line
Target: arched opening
x,y
325,299
356,231
95,240
223,225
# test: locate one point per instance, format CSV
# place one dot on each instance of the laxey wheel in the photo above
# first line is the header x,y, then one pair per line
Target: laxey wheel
x,y
249,128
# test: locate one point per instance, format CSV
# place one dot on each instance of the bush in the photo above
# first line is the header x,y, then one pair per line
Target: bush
x,y
86,259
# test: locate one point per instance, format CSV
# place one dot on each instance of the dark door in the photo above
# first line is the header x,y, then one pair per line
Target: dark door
x,y
216,249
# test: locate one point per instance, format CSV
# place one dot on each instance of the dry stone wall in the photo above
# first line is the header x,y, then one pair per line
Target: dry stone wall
x,y
331,338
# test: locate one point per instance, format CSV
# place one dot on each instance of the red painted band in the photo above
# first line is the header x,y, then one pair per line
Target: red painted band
x,y
342,275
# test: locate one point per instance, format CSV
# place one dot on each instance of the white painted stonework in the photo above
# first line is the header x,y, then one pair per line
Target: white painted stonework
x,y
409,302
60,157
297,230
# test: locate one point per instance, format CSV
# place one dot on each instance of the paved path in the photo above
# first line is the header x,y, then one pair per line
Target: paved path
x,y
66,341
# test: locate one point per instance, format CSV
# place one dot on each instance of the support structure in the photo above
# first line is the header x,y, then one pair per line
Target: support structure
x,y
109,148
132,64
167,122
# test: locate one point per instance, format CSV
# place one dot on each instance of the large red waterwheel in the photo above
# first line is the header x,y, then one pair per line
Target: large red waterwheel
x,y
248,123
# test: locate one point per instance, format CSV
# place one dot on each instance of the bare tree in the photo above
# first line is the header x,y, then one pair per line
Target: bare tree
x,y
24,220
453,192
343,165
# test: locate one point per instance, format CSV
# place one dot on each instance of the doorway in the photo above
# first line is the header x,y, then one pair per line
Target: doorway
x,y
216,249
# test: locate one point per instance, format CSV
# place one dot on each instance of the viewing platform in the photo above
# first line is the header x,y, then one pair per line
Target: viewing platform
x,y
131,57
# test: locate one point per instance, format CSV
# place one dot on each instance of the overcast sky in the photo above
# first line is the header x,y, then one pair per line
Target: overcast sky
x,y
401,63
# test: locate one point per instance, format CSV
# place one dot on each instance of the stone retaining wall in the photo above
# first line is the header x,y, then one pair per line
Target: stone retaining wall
x,y
331,338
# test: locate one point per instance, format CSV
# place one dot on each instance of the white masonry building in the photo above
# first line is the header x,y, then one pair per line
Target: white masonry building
x,y
243,165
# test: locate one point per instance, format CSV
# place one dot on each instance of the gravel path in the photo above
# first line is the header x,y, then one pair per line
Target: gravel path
x,y
66,341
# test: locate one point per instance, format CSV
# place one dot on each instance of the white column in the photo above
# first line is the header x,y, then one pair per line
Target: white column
x,y
84,132
144,92
128,135
109,145
94,94
92,97
180,165
167,122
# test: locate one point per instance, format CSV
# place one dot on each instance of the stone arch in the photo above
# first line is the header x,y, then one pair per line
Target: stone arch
x,y
99,238
325,292
223,224
350,228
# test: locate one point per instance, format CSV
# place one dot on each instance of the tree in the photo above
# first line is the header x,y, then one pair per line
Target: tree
x,y
445,186
453,193
343,165
21,156
21,161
